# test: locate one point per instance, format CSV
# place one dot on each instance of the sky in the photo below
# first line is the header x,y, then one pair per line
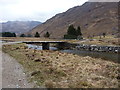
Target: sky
x,y
34,10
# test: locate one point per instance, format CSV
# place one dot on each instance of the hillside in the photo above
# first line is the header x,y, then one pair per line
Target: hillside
x,y
93,17
19,26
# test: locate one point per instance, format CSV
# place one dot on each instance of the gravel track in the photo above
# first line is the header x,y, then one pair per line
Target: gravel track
x,y
13,75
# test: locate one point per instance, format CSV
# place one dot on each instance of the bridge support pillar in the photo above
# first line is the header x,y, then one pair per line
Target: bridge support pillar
x,y
45,46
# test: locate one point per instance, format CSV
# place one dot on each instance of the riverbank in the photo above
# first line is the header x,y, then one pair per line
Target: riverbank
x,y
98,48
103,41
54,69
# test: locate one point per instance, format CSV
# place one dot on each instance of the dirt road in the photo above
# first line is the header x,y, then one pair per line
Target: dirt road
x,y
13,75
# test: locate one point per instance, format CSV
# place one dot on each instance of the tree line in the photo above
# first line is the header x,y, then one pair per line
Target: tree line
x,y
72,33
46,35
10,34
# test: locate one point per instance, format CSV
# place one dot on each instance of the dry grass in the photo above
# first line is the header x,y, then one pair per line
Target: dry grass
x,y
24,39
62,70
108,40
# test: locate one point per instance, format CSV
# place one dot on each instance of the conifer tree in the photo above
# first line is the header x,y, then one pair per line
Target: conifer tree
x,y
79,31
71,30
37,34
47,35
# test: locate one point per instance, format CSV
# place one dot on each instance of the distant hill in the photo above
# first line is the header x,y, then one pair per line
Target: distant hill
x,y
94,18
19,26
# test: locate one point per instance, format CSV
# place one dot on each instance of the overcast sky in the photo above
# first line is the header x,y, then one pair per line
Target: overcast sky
x,y
37,10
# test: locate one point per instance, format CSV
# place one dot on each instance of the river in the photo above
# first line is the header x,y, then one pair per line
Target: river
x,y
104,55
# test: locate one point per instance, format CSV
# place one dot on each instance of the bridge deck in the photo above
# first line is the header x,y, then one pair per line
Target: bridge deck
x,y
43,42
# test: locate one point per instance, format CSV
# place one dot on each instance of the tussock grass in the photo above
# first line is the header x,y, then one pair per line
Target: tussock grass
x,y
54,69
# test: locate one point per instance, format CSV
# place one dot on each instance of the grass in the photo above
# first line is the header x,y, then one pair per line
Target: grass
x,y
53,69
107,40
24,39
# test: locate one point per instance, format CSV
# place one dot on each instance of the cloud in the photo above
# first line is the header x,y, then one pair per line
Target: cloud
x,y
34,9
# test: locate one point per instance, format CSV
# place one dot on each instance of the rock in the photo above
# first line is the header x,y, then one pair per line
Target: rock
x,y
17,86
19,80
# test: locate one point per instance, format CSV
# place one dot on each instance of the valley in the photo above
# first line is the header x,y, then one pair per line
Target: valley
x,y
32,57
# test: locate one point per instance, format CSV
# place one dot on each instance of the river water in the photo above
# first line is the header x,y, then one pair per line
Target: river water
x,y
32,46
1,41
104,55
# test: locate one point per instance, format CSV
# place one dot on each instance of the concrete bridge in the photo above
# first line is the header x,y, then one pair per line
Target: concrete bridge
x,y
46,44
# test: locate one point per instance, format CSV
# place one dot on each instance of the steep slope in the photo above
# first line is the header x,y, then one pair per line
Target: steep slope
x,y
93,17
19,26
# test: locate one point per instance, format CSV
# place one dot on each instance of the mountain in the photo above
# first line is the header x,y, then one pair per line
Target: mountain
x,y
94,18
19,26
